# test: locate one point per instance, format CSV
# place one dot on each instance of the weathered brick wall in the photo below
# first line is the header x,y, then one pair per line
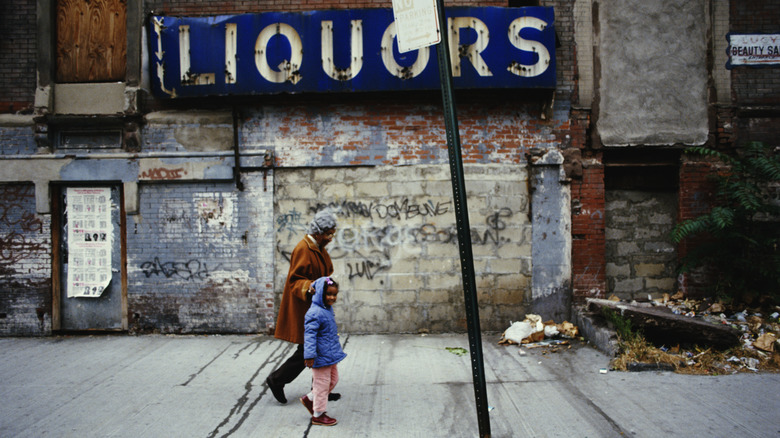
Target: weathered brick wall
x,y
756,90
695,197
750,85
219,7
200,257
16,137
376,131
396,252
588,232
749,115
201,254
18,55
25,263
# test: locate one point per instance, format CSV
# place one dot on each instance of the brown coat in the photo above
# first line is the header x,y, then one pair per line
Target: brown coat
x,y
307,263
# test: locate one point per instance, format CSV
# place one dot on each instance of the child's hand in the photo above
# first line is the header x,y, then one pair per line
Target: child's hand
x,y
309,362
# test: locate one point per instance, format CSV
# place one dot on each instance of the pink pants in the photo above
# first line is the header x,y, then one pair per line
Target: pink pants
x,y
324,380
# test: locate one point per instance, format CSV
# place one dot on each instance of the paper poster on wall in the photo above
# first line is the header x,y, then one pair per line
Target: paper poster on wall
x,y
89,241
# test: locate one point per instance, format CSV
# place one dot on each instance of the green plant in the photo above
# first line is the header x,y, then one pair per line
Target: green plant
x,y
622,325
741,232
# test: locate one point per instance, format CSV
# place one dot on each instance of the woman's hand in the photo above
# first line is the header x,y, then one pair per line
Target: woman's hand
x,y
309,362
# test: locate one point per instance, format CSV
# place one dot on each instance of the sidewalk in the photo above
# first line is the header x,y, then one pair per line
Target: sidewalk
x,y
392,386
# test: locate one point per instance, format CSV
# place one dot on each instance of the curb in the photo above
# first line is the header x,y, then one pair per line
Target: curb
x,y
595,331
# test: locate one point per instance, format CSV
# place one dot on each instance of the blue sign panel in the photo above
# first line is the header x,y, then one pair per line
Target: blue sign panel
x,y
345,51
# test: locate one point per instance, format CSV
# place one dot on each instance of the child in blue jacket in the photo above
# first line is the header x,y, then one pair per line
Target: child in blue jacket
x,y
322,349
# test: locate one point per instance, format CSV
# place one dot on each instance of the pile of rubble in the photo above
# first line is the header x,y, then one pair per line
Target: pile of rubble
x,y
532,332
672,333
697,336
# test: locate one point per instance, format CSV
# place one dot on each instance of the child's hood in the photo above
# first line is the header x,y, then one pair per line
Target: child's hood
x,y
319,292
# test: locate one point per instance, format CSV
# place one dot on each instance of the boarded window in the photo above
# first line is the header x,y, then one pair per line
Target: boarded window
x,y
91,40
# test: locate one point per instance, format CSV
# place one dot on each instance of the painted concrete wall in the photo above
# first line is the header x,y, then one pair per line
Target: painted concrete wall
x,y
552,242
653,87
395,251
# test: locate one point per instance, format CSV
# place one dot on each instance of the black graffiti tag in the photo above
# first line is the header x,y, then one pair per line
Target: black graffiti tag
x,y
401,210
189,270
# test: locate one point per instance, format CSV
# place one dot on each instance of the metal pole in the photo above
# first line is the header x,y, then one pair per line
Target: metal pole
x,y
462,222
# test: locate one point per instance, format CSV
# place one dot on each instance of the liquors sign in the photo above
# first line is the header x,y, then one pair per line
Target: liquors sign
x,y
345,51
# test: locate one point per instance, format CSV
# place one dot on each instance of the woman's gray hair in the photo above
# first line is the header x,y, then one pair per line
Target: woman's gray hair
x,y
323,221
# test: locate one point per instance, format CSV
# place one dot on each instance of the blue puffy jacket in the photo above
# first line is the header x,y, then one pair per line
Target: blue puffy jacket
x,y
321,337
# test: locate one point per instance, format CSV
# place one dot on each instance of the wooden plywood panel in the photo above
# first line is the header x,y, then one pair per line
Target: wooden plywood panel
x,y
91,40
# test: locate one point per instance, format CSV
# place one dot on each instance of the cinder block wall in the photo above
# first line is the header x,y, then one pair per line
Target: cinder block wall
x,y
25,263
641,260
396,253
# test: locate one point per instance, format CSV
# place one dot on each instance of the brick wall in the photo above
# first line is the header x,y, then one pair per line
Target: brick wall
x,y
385,131
755,86
200,258
695,197
17,140
202,255
219,7
18,55
588,232
25,263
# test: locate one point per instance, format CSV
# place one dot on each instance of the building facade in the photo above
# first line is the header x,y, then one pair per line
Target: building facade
x,y
159,160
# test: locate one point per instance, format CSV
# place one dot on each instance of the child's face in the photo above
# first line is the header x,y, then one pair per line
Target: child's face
x,y
331,293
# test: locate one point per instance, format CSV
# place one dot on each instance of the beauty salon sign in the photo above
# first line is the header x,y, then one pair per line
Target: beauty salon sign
x,y
753,49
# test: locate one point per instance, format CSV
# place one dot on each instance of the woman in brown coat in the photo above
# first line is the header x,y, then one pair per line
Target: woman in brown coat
x,y
309,261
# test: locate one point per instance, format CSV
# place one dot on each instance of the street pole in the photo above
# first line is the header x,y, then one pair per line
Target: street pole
x,y
462,222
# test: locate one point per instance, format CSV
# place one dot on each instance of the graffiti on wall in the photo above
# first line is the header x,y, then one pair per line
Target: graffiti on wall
x,y
404,209
367,249
290,222
17,223
162,173
190,270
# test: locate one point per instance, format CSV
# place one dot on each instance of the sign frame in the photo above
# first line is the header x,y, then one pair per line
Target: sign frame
x,y
235,55
753,50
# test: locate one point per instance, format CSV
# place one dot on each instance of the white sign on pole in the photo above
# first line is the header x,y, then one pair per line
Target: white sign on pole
x,y
416,24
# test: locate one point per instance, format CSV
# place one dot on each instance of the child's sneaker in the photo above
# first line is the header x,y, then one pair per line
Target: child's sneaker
x,y
323,420
308,404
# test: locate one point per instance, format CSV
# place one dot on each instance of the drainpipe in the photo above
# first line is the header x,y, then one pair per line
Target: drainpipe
x,y
236,153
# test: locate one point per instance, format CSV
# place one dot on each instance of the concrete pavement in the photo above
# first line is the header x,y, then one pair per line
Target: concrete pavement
x,y
392,386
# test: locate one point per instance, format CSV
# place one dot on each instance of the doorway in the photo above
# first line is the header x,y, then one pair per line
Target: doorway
x,y
641,210
89,258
